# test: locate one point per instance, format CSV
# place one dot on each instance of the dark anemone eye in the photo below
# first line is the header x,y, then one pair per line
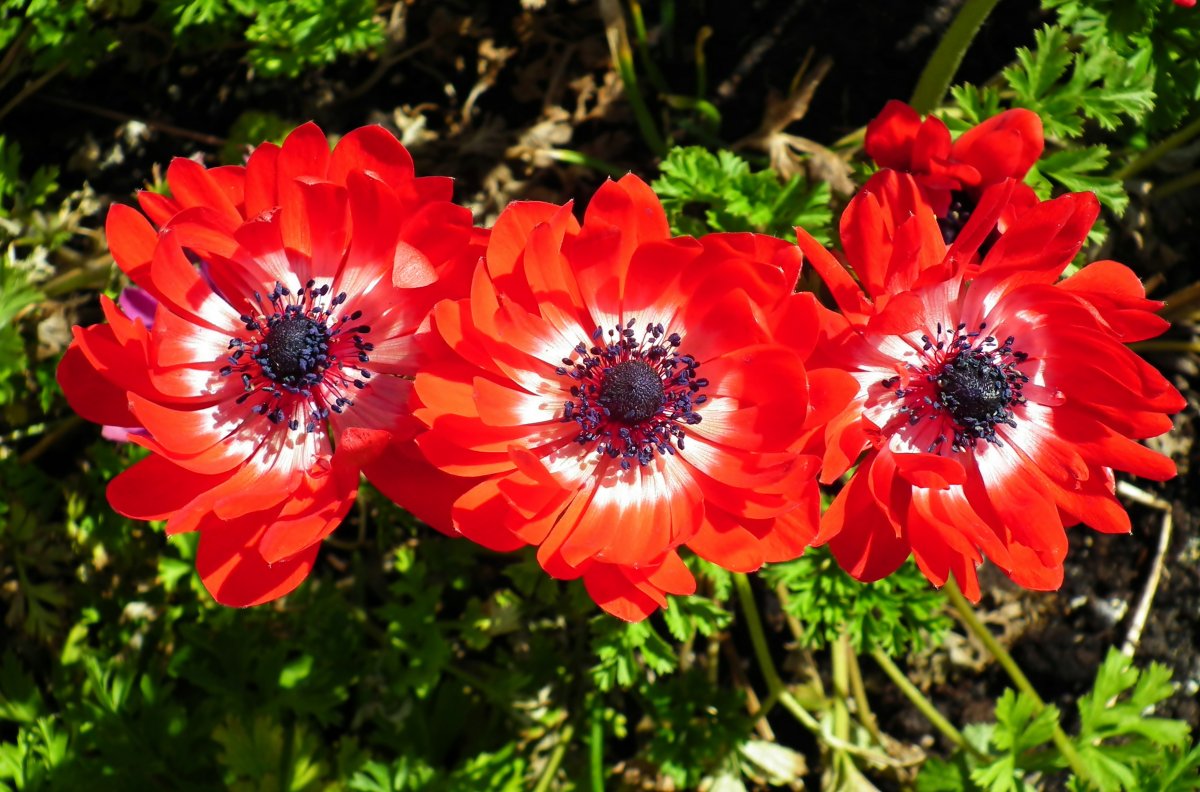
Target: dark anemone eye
x,y
632,396
297,358
631,392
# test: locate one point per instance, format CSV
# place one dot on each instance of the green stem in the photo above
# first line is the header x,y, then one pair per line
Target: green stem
x,y
572,157
776,690
1173,186
556,759
758,638
643,47
943,64
926,707
972,622
860,696
841,686
1165,346
799,713
622,55
596,750
1159,150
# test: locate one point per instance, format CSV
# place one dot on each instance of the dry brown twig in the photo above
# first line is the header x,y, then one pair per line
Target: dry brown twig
x,y
1141,612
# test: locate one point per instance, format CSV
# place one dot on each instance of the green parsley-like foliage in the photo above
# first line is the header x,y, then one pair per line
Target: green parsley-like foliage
x,y
1122,746
695,727
626,651
1163,35
70,35
285,37
703,191
1066,88
901,613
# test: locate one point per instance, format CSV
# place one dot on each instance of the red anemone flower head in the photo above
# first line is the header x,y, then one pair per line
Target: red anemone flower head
x,y
289,293
954,175
993,411
610,394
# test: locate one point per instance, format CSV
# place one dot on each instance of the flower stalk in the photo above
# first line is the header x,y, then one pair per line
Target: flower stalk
x,y
556,759
967,614
927,708
943,64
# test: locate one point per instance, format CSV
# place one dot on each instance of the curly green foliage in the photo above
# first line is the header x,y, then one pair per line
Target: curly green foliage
x,y
1066,88
1122,746
703,192
695,727
1162,34
286,38
60,34
1068,167
625,652
901,613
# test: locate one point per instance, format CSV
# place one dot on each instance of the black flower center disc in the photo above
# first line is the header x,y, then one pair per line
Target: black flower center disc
x,y
974,389
632,392
295,346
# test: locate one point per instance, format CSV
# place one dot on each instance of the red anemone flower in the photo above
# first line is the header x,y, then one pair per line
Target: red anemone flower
x,y
610,394
954,175
289,293
992,411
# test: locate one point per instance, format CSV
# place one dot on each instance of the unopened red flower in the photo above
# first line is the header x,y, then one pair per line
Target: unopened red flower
x,y
610,394
281,352
953,175
991,412
1186,3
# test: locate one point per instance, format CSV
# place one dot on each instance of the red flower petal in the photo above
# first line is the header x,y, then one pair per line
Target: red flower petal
x,y
234,572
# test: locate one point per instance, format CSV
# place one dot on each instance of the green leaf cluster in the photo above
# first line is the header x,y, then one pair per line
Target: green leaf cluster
x,y
285,38
1161,35
901,613
1122,746
703,192
1067,88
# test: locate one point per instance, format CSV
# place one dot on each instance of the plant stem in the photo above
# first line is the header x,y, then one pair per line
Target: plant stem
x,y
622,55
1159,150
776,690
758,638
943,63
32,87
799,713
1173,186
572,157
967,614
841,686
918,699
556,758
596,750
1165,346
860,696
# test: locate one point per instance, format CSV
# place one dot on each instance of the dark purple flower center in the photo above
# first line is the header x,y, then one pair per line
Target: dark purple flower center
x,y
968,380
962,206
297,358
631,392
633,396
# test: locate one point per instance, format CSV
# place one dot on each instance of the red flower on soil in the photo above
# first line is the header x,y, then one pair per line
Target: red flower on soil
x,y
316,270
992,411
610,394
954,175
